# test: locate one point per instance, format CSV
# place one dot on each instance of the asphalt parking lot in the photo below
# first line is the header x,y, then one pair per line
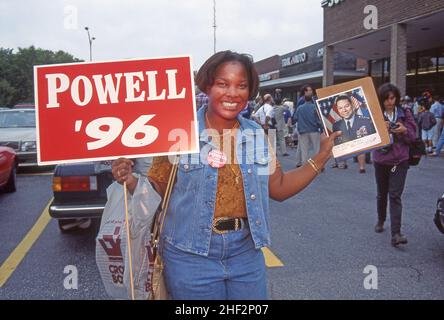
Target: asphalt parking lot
x,y
324,238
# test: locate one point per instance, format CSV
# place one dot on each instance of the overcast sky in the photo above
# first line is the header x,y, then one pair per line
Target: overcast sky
x,y
154,28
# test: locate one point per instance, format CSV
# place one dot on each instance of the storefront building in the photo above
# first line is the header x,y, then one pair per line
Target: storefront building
x,y
304,66
401,40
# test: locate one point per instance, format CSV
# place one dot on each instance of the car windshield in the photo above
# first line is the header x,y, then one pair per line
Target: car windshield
x,y
17,119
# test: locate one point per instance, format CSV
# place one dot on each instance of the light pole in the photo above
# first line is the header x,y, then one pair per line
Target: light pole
x,y
90,43
214,25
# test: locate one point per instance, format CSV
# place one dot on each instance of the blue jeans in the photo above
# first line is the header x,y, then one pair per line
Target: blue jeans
x,y
233,270
440,143
390,185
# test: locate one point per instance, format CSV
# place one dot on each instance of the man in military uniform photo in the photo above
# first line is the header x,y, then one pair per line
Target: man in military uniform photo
x,y
353,126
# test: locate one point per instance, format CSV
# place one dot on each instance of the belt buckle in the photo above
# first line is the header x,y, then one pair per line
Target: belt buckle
x,y
217,231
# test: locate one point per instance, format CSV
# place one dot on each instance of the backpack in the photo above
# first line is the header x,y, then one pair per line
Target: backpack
x,y
417,149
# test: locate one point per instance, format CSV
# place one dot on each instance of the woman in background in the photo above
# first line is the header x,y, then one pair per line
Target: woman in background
x,y
392,163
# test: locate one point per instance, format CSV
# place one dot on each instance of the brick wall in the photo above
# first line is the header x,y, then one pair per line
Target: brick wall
x,y
268,65
345,20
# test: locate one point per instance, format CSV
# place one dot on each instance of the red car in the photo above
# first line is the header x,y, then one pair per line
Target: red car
x,y
8,167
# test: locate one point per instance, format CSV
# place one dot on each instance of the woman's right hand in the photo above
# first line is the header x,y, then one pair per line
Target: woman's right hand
x,y
122,170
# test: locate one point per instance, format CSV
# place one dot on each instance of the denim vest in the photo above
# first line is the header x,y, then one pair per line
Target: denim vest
x,y
188,222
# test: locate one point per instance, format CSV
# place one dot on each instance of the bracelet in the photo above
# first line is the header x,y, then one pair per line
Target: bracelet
x,y
314,166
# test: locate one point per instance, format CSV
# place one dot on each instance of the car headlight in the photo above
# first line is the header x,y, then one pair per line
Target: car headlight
x,y
28,146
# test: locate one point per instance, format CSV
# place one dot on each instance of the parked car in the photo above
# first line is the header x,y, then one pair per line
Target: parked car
x,y
18,131
439,214
8,169
79,193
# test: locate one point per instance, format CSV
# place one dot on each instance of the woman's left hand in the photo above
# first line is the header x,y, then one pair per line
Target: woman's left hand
x,y
327,144
400,130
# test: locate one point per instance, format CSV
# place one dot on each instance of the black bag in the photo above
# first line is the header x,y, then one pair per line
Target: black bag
x,y
417,150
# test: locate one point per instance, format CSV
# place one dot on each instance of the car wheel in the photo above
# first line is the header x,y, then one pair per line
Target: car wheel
x,y
72,225
11,184
439,221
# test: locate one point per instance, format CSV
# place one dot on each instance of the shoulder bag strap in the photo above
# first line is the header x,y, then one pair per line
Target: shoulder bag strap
x,y
160,217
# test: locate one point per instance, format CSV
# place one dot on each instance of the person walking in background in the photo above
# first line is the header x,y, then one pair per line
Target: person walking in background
x,y
427,122
439,145
408,104
392,162
261,114
276,117
438,110
248,110
288,129
258,103
201,100
308,125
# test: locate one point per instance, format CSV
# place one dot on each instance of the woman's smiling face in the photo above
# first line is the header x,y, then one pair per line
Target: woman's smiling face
x,y
230,91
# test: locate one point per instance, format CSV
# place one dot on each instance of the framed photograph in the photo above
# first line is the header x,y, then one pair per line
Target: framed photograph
x,y
353,108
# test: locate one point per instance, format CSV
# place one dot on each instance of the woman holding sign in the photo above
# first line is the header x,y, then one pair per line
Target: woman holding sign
x,y
217,220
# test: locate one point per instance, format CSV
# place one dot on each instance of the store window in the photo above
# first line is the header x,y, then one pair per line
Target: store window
x,y
376,68
386,70
427,62
440,84
441,60
411,64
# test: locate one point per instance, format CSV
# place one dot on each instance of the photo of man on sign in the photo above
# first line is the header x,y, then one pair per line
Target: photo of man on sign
x,y
352,125
352,108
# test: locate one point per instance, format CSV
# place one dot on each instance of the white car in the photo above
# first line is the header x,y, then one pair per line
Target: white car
x,y
18,131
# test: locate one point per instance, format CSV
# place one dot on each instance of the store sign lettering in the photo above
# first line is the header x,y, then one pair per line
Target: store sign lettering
x,y
296,59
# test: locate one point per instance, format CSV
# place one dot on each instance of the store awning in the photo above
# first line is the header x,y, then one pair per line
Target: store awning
x,y
306,77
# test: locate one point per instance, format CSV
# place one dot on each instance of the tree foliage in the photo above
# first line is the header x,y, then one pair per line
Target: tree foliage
x,y
16,72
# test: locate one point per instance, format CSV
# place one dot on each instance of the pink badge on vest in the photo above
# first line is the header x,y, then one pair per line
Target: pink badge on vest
x,y
216,159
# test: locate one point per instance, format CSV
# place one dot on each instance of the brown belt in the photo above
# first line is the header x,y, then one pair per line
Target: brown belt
x,y
223,225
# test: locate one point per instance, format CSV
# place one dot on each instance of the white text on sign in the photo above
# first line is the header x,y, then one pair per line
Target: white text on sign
x,y
113,127
108,92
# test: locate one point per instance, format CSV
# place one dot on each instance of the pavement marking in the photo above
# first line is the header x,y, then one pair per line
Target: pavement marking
x,y
271,261
16,257
19,253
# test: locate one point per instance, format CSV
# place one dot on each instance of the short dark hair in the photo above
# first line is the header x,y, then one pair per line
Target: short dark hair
x,y
343,97
304,88
205,75
425,103
384,92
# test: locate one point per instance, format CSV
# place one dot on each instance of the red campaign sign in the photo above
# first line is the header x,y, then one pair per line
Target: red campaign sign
x,y
105,110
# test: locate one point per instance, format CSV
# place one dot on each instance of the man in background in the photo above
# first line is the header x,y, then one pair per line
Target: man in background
x,y
261,114
308,126
438,110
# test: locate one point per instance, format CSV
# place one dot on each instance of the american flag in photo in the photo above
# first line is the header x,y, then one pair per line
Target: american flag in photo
x,y
329,112
359,103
